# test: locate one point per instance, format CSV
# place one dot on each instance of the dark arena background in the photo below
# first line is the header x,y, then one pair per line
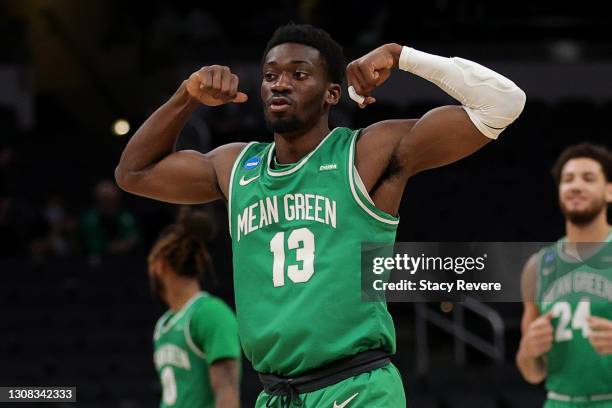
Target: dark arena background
x,y
77,78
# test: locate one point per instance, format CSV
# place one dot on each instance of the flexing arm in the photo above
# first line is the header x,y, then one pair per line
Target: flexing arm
x,y
149,166
224,380
489,103
536,329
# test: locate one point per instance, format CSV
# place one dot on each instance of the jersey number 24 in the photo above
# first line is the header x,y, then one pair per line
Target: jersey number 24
x,y
563,311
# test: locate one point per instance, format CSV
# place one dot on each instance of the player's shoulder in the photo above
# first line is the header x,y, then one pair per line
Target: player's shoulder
x,y
244,150
228,151
531,266
210,314
541,257
224,158
548,254
345,131
541,261
208,305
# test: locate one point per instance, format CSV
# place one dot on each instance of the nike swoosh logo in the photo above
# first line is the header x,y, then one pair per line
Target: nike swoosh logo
x,y
345,403
244,182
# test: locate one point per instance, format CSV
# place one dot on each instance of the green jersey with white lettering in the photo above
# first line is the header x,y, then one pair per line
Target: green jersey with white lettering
x,y
296,234
574,290
186,343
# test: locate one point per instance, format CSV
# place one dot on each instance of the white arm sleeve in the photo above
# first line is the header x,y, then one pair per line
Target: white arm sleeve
x,y
491,100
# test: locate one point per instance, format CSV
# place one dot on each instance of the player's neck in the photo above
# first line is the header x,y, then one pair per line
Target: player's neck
x,y
289,148
180,292
595,231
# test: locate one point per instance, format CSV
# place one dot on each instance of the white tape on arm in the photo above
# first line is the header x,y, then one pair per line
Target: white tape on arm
x,y
491,100
355,96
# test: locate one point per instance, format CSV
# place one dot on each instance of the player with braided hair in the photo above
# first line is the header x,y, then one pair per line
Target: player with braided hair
x,y
196,344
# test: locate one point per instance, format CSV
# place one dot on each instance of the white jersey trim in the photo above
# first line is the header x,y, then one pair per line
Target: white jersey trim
x,y
364,206
158,326
296,168
189,340
580,398
164,328
362,186
229,193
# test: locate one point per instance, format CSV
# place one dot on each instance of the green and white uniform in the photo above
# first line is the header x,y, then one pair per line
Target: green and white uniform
x,y
576,374
186,343
296,234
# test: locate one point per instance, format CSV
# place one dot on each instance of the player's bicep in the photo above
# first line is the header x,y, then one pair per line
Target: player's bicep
x,y
186,176
442,136
183,177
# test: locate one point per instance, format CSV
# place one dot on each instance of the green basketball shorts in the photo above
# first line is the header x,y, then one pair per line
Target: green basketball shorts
x,y
380,388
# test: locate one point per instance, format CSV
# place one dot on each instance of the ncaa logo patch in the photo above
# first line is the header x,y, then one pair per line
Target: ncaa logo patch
x,y
252,163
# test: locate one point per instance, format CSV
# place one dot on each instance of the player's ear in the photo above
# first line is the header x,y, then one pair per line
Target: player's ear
x,y
609,192
333,94
163,267
152,267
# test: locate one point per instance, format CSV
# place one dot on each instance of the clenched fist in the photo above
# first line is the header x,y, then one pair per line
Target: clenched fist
x,y
215,85
539,337
371,70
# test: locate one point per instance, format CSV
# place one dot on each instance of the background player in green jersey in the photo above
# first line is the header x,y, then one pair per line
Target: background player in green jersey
x,y
300,207
197,352
567,289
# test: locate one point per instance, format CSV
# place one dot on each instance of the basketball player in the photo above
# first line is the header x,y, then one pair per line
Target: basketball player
x,y
300,207
197,352
567,290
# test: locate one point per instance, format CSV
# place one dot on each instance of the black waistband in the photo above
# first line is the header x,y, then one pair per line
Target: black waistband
x,y
288,388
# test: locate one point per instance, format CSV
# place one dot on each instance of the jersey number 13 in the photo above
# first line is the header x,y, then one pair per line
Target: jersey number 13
x,y
302,241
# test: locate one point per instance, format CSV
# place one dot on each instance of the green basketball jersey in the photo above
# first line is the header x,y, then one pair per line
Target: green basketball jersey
x,y
186,343
296,234
574,290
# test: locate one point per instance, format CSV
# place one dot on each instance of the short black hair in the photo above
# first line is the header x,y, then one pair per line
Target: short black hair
x,y
330,50
599,153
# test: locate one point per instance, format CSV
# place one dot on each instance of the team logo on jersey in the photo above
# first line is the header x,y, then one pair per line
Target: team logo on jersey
x,y
331,166
252,163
